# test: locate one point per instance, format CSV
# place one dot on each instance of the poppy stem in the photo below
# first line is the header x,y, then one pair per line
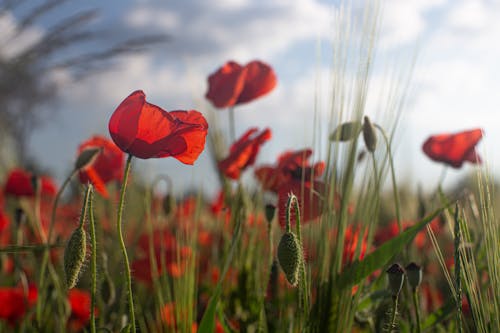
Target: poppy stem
x,y
93,263
232,125
122,243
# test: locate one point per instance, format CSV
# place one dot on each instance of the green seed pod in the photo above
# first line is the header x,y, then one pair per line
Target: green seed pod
x,y
290,257
369,135
87,157
414,275
346,131
395,273
270,210
74,256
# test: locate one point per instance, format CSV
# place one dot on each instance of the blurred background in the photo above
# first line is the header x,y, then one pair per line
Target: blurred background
x,y
65,66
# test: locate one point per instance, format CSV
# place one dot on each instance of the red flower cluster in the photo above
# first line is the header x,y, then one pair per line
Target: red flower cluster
x,y
243,152
233,84
454,149
107,166
294,174
15,302
145,130
20,184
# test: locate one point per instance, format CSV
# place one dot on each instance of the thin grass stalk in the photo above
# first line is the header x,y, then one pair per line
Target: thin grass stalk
x,y
122,243
458,278
416,305
93,262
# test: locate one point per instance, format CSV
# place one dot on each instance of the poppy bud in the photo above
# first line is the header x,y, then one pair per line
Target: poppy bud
x,y
414,275
74,256
270,210
346,131
87,157
395,273
168,204
369,135
290,257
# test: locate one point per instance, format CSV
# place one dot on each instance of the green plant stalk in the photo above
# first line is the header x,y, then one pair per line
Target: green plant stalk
x,y
393,177
122,243
394,312
458,280
45,258
93,263
416,305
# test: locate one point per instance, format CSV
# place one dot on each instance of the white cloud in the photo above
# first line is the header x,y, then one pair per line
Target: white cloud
x,y
14,41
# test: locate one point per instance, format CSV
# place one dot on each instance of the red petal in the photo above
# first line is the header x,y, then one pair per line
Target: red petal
x,y
124,122
226,84
260,80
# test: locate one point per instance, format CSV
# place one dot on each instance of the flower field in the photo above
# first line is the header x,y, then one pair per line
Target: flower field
x,y
317,244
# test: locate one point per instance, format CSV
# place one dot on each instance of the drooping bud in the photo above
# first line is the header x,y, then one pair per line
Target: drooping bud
x,y
270,210
414,275
290,257
74,256
168,204
87,157
346,131
395,274
369,135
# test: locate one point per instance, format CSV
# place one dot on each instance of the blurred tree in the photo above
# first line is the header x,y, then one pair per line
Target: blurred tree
x,y
29,55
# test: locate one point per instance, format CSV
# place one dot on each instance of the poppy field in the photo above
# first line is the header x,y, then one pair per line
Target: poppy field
x,y
323,241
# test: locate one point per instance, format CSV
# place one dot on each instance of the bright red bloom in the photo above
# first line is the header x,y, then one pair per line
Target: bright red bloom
x,y
107,166
19,183
292,165
454,149
80,303
145,130
15,302
243,152
234,84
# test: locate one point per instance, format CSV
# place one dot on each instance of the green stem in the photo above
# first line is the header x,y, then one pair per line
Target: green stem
x,y
93,263
417,310
393,178
458,279
394,313
122,242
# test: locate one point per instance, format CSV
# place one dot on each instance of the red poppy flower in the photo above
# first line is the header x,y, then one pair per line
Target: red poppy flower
x,y
145,130
15,302
80,303
292,165
107,166
19,183
243,152
454,149
234,84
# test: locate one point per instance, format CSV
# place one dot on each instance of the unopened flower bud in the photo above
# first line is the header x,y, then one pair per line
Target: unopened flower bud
x,y
414,275
168,204
74,256
346,131
369,135
290,257
87,157
395,273
270,210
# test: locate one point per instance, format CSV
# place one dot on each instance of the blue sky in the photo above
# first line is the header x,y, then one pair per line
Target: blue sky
x,y
454,85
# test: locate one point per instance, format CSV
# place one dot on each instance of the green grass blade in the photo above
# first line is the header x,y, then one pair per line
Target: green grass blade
x,y
359,270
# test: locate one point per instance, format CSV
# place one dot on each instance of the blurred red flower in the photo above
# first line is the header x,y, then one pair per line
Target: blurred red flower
x,y
15,302
292,165
234,84
80,302
107,166
145,130
243,152
454,149
19,184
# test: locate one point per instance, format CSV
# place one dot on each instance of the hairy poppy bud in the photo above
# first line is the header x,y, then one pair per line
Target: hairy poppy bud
x,y
290,257
369,135
414,275
395,273
270,210
74,256
346,131
87,157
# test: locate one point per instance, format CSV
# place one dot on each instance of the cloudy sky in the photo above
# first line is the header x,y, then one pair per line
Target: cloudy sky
x,y
454,86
